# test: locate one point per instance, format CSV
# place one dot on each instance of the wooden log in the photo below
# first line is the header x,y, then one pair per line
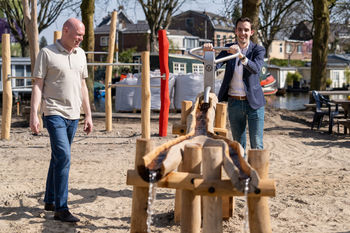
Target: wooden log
x,y
140,194
225,187
174,180
6,88
179,129
191,203
56,36
195,182
259,213
145,96
212,206
108,77
186,107
220,115
220,131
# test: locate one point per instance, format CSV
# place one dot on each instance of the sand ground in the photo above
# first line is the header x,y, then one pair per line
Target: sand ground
x,y
311,168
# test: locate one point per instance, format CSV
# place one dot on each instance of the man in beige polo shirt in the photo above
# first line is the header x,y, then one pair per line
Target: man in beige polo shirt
x,y
60,72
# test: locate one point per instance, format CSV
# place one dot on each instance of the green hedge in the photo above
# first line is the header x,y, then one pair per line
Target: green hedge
x,y
284,62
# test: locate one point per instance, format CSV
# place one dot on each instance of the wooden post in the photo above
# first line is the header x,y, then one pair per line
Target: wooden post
x,y
220,115
145,96
191,203
259,213
56,36
212,206
108,77
186,107
140,194
6,88
228,203
178,202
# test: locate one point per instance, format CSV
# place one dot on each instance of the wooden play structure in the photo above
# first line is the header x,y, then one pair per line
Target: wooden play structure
x,y
193,164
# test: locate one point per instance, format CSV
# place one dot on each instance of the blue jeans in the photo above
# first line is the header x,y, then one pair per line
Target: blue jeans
x,y
239,111
61,133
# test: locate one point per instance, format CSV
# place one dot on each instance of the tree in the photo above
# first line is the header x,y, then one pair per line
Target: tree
x,y
48,13
31,25
275,16
233,9
250,8
88,44
158,15
320,44
43,42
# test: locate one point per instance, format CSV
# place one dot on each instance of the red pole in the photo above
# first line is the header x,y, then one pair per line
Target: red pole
x,y
164,85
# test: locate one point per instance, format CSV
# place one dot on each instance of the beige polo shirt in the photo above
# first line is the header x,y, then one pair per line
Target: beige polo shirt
x,y
62,73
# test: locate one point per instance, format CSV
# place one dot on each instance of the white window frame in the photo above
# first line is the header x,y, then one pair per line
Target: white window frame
x,y
197,68
104,40
179,68
299,48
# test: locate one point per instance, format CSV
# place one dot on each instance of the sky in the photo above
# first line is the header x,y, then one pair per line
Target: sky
x,y
134,12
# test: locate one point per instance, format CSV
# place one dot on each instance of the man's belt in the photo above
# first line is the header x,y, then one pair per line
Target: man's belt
x,y
238,97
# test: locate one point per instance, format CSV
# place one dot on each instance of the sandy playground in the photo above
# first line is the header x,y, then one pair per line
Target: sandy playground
x,y
311,168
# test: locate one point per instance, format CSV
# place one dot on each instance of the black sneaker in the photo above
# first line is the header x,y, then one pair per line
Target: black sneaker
x,y
49,207
65,216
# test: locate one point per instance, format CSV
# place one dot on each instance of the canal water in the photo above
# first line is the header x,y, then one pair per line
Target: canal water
x,y
289,101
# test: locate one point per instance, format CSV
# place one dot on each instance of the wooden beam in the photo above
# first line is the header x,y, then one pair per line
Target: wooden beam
x,y
195,182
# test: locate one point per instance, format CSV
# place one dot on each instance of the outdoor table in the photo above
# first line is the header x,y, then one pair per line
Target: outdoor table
x,y
345,103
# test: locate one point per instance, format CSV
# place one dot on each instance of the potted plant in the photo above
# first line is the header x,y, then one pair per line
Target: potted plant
x,y
289,80
347,77
328,82
296,79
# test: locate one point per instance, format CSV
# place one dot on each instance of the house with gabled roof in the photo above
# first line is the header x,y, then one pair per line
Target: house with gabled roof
x,y
207,26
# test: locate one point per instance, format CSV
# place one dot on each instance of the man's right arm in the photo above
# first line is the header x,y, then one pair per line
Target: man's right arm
x,y
35,102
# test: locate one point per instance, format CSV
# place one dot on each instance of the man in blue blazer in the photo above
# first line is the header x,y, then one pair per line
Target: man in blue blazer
x,y
241,86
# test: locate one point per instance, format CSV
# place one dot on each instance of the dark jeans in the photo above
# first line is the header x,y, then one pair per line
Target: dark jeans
x,y
61,133
239,113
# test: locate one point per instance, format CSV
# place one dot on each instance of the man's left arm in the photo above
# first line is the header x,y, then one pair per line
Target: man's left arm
x,y
256,62
86,107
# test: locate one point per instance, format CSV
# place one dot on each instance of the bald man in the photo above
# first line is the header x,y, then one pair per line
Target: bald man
x,y
60,72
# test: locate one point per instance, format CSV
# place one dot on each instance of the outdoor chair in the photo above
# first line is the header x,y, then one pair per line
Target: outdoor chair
x,y
320,112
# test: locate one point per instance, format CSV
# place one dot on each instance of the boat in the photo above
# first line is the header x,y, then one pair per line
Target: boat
x,y
268,84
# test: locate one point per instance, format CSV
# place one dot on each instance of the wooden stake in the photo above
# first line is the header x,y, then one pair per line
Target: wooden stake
x,y
220,115
6,88
259,213
212,206
108,77
191,203
145,96
186,107
228,203
56,36
140,194
178,202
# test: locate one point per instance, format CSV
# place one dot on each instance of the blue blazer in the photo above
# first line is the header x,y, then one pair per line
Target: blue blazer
x,y
251,75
